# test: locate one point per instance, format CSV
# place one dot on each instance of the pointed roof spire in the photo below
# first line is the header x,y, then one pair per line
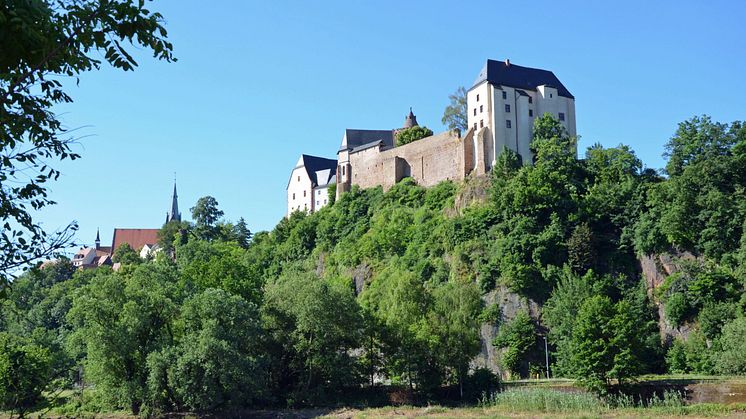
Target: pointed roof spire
x,y
411,120
174,214
98,239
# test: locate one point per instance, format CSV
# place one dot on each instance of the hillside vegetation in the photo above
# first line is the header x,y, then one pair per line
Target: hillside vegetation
x,y
388,287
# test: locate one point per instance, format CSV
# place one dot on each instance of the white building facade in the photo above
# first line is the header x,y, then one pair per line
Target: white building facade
x,y
309,182
507,98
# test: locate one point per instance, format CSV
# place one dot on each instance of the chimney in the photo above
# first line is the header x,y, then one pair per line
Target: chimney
x,y
507,62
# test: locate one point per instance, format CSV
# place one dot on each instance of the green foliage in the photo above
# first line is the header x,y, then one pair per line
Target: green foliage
x,y
120,320
45,42
731,356
313,324
24,372
455,114
217,363
517,337
412,134
607,343
125,255
206,215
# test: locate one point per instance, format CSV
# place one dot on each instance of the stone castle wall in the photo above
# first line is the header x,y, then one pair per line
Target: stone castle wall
x,y
429,161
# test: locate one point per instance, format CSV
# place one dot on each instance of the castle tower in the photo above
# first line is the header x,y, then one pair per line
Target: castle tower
x,y
98,240
410,120
506,99
174,214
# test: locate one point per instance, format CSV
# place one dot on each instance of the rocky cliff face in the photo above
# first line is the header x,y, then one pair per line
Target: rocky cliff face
x,y
510,304
655,270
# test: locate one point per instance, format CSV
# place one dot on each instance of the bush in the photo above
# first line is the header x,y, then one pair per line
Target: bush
x,y
24,372
412,134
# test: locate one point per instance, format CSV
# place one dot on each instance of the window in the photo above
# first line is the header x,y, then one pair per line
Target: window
x,y
298,178
477,97
475,126
481,123
530,99
304,194
505,94
561,116
530,112
507,108
343,170
480,109
475,111
550,95
317,202
508,124
293,195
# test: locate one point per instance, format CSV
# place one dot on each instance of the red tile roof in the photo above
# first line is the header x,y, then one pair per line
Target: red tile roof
x,y
135,237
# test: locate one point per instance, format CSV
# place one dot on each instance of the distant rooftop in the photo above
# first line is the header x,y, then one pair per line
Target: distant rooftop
x,y
355,138
505,73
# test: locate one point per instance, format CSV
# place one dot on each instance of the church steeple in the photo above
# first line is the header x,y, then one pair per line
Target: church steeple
x,y
98,240
174,214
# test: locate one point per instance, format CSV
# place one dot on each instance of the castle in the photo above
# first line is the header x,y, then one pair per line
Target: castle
x,y
501,107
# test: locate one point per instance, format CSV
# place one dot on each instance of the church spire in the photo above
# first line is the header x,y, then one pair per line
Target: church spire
x,y
174,214
98,240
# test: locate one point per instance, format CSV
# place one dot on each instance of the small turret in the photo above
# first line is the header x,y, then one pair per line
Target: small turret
x,y
410,120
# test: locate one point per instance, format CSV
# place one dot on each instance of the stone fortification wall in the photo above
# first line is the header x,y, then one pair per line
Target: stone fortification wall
x,y
445,156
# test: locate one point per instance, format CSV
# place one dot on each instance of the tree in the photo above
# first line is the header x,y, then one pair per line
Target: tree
x,y
607,343
169,233
517,338
125,255
206,216
119,320
731,358
313,325
44,41
24,372
217,363
454,116
412,134
242,233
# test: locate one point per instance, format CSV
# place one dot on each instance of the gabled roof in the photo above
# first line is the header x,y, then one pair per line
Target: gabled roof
x,y
509,74
356,137
318,169
135,237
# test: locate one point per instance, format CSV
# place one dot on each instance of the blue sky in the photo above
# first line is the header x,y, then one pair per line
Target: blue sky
x,y
259,83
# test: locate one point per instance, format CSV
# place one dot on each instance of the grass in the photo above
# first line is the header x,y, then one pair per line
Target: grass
x,y
547,402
